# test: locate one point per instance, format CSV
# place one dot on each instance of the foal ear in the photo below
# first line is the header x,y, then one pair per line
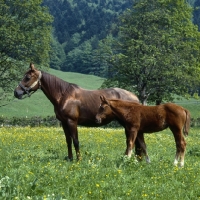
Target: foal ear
x,y
32,66
103,99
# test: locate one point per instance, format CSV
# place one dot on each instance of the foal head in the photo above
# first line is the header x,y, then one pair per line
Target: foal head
x,y
30,82
104,110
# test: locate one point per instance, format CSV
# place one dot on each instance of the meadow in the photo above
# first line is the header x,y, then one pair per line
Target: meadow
x,y
32,166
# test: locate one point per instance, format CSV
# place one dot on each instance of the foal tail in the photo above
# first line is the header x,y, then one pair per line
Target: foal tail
x,y
187,123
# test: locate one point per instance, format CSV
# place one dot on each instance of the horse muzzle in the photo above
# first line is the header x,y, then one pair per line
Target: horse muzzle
x,y
98,120
18,93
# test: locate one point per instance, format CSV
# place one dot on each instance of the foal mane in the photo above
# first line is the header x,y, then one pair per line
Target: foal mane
x,y
59,85
125,102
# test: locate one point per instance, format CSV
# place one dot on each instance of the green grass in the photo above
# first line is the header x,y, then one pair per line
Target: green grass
x,y
39,105
32,166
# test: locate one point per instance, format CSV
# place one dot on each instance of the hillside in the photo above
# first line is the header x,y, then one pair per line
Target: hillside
x,y
39,105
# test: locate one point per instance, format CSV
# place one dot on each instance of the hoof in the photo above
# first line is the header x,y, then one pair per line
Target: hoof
x,y
79,158
148,160
139,158
68,159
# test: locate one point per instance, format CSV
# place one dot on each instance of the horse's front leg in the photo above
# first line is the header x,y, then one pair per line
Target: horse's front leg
x,y
131,135
72,126
140,147
68,140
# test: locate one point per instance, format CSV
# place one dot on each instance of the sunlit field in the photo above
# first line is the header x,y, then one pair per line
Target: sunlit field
x,y
32,166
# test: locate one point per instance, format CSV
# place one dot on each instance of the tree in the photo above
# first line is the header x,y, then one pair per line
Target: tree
x,y
197,13
79,59
158,50
57,54
25,33
102,55
79,21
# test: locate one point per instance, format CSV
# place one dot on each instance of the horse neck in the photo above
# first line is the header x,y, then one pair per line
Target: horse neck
x,y
53,87
119,107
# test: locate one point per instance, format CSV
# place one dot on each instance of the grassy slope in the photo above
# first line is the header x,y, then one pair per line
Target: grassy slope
x,y
39,105
193,105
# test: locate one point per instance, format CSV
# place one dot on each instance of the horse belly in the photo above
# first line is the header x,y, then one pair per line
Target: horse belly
x,y
92,122
153,126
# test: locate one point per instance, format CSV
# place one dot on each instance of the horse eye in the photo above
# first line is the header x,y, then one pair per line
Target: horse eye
x,y
101,107
27,77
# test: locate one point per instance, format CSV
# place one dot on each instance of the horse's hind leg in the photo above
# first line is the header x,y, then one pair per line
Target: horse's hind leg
x,y
180,146
140,147
72,126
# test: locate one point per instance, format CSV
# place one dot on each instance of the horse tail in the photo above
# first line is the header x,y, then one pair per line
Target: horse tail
x,y
186,127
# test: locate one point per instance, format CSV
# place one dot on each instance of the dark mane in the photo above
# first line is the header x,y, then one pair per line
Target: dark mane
x,y
60,85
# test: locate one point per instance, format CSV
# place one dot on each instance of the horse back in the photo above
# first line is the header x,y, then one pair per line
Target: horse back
x,y
82,105
156,118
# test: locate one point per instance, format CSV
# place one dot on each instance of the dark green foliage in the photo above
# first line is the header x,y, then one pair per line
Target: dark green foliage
x,y
57,54
25,33
32,121
79,25
158,50
196,18
87,18
51,121
77,22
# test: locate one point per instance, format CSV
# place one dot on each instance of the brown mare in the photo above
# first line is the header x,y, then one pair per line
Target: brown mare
x,y
139,119
72,105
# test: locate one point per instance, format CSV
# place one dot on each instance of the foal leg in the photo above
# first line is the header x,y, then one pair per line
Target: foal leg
x,y
130,140
180,146
180,153
140,147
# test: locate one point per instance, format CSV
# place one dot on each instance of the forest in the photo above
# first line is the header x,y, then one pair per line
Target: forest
x,y
79,26
149,47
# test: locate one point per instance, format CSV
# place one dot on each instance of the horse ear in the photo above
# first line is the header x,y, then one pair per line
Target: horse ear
x,y
32,66
103,99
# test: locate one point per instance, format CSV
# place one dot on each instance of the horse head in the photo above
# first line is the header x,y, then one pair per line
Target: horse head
x,y
30,82
104,110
